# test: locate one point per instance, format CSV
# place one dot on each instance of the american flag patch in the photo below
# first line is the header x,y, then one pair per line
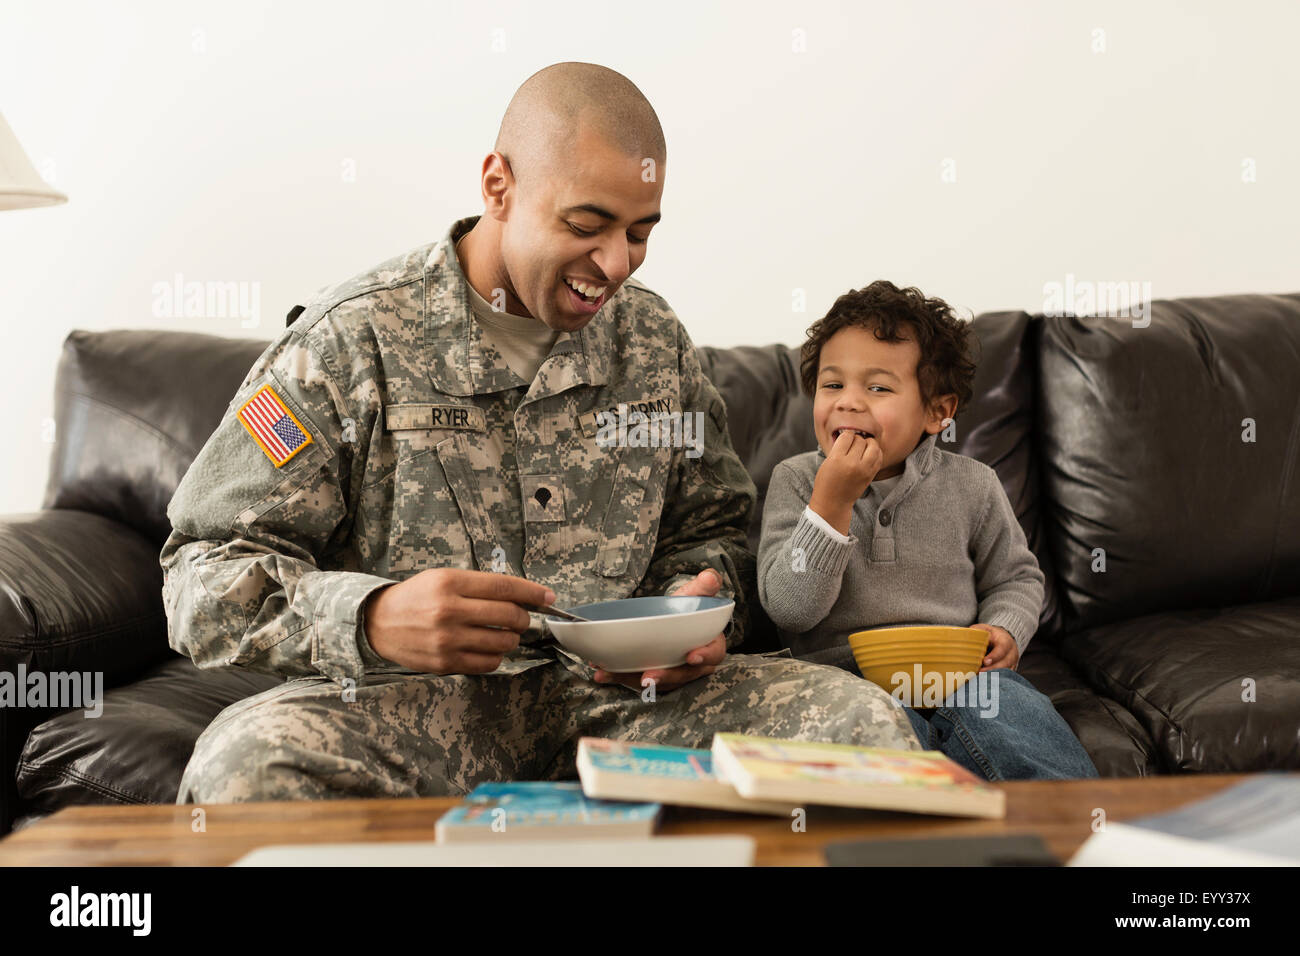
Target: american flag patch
x,y
273,426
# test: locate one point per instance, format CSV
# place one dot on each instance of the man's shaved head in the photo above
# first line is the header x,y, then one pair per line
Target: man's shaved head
x,y
541,123
570,194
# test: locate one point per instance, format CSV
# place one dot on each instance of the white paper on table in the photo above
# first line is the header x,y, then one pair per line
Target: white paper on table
x,y
652,851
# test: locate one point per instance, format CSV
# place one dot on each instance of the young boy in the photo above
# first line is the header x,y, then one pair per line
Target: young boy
x,y
880,527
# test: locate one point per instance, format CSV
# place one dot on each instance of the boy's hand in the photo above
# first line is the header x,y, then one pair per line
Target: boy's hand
x,y
1003,650
844,477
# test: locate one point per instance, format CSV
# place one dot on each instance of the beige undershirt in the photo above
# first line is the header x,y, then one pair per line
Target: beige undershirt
x,y
524,342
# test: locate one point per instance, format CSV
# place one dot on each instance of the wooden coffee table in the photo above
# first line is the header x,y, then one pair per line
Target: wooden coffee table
x,y
1060,812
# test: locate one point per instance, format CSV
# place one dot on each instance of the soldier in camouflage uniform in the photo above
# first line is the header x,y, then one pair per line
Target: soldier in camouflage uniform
x,y
384,435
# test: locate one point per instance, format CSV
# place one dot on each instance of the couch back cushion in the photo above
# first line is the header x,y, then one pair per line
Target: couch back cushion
x,y
1170,451
768,416
132,409
998,428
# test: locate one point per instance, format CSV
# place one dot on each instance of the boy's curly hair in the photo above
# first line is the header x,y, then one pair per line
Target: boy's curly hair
x,y
947,364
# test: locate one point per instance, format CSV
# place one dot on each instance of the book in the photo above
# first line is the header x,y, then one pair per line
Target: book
x,y
541,810
619,770
877,778
1254,823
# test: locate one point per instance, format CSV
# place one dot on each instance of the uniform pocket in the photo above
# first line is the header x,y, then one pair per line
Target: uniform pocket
x,y
631,522
483,543
407,516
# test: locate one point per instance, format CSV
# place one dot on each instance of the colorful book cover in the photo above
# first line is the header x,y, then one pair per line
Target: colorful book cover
x,y
923,781
542,808
622,770
649,760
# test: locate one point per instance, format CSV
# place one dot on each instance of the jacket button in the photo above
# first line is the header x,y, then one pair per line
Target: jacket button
x,y
884,519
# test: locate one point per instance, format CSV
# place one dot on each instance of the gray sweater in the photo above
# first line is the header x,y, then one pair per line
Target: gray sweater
x,y
942,546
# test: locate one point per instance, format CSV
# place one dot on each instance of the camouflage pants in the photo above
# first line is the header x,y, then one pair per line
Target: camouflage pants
x,y
423,735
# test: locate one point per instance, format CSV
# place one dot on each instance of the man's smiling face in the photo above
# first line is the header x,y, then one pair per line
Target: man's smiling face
x,y
587,219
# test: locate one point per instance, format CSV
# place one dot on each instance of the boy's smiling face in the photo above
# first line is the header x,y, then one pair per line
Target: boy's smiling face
x,y
871,386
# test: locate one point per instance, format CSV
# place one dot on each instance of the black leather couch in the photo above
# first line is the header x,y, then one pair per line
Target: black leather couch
x,y
1183,654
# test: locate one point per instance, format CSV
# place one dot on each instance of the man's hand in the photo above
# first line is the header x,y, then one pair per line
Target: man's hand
x,y
451,620
699,662
844,477
1002,651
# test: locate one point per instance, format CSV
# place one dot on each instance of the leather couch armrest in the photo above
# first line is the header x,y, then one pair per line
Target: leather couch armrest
x,y
79,594
79,591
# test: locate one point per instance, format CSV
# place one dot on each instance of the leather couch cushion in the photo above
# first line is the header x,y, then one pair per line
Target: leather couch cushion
x,y
137,749
1215,689
132,409
1113,737
1143,456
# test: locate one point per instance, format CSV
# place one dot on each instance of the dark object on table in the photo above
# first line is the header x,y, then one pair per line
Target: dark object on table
x,y
1021,849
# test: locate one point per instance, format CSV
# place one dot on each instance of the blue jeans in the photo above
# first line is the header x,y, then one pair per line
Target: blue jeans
x,y
1026,739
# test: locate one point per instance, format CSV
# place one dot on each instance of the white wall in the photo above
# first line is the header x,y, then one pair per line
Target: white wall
x,y
210,140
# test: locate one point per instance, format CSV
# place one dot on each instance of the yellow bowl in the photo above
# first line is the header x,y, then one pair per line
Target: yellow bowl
x,y
908,647
907,660
915,633
911,648
919,665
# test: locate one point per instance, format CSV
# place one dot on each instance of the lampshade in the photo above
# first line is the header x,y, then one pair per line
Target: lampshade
x,y
20,185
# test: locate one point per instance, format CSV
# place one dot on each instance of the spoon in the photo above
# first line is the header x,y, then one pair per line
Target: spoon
x,y
552,612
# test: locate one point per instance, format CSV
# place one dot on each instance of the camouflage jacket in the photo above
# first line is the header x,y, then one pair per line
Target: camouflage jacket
x,y
378,436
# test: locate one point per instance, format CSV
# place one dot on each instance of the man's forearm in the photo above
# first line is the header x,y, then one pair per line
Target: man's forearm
x,y
229,603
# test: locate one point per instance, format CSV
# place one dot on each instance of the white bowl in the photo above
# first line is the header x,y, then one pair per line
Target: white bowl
x,y
644,633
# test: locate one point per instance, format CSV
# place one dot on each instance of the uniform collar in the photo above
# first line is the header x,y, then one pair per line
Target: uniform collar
x,y
459,364
915,467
